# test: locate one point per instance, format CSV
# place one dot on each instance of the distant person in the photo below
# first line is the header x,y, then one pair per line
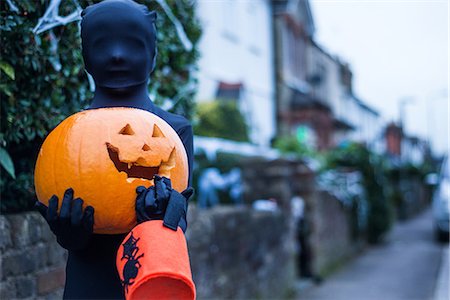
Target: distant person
x,y
209,182
302,230
234,181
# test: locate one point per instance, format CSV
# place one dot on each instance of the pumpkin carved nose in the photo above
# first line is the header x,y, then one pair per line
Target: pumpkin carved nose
x,y
146,147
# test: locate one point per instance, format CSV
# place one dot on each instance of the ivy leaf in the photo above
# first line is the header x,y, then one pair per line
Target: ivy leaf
x,y
6,162
5,89
8,69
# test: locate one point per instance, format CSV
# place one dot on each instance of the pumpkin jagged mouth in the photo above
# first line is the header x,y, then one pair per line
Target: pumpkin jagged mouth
x,y
135,170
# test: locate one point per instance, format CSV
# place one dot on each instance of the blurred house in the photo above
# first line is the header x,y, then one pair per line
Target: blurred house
x,y
402,148
326,75
314,87
262,55
236,62
293,29
414,150
367,123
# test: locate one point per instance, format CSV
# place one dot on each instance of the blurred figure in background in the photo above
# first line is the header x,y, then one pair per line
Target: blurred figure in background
x,y
211,180
234,178
302,231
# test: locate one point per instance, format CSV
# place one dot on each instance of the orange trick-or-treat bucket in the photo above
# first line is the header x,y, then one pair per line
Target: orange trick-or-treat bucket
x,y
153,263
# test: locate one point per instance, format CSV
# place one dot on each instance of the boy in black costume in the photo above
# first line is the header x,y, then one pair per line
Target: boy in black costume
x,y
119,51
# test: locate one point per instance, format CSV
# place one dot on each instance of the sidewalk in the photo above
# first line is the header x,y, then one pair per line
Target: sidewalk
x,y
442,285
406,267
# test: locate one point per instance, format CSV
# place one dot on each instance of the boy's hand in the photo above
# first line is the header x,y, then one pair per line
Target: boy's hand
x,y
73,227
161,202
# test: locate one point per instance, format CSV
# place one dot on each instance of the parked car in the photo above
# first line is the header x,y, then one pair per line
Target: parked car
x,y
441,198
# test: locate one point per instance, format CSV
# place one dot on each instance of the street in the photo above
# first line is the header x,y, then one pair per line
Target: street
x,y
406,266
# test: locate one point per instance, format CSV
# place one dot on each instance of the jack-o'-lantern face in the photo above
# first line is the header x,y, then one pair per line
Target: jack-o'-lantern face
x,y
142,160
104,154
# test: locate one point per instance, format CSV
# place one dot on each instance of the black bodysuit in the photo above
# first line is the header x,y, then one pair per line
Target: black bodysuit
x,y
91,273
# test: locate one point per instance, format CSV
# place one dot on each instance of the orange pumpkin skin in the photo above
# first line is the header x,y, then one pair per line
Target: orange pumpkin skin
x,y
104,154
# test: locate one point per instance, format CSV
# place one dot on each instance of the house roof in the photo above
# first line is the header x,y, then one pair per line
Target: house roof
x,y
299,9
366,107
309,22
343,125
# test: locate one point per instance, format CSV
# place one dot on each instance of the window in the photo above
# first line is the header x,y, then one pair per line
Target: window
x,y
230,19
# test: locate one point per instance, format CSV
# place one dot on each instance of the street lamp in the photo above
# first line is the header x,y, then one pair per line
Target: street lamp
x,y
401,109
431,107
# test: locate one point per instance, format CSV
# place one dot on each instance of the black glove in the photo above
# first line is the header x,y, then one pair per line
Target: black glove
x,y
73,227
161,202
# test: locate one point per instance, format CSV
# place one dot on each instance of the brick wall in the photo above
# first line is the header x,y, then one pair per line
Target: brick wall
x,y
330,236
416,196
32,264
327,220
235,253
239,253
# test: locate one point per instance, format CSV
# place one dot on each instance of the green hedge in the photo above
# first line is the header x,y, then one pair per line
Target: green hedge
x,y
289,144
222,119
381,211
36,96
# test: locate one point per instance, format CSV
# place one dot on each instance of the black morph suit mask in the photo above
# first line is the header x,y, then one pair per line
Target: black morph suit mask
x,y
118,40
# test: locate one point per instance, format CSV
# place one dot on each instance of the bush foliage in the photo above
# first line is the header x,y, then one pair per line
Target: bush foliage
x,y
222,119
289,144
371,166
43,81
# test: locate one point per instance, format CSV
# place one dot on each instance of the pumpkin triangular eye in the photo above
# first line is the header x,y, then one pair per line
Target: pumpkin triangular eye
x,y
127,130
157,132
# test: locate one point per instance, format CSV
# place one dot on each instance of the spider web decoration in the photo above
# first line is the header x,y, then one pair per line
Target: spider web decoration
x,y
51,17
180,30
54,60
12,6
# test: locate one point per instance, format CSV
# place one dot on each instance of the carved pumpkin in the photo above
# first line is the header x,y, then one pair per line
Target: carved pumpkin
x,y
104,154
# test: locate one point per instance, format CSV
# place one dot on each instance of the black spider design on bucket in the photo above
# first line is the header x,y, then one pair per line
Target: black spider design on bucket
x,y
131,268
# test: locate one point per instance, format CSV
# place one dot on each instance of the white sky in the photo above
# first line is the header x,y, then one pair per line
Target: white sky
x,y
397,50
